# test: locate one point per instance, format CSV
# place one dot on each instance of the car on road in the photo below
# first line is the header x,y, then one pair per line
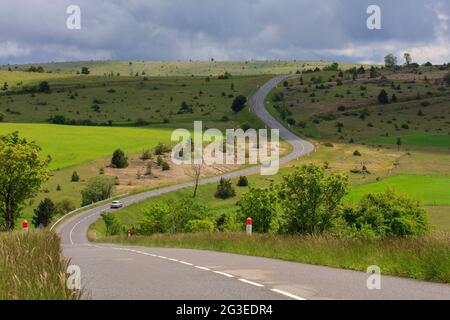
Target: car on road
x,y
116,205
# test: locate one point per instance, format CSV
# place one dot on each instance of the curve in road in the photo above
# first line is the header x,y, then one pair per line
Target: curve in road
x,y
120,272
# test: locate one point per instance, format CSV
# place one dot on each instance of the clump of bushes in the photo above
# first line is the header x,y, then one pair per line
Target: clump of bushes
x,y
224,189
243,181
119,160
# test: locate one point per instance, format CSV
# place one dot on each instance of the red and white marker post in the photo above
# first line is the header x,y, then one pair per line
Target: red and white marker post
x,y
249,225
25,225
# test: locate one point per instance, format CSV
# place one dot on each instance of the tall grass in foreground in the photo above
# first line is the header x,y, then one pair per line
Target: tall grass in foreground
x,y
32,267
426,257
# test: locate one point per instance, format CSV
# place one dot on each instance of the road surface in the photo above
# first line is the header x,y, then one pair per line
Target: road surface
x,y
117,272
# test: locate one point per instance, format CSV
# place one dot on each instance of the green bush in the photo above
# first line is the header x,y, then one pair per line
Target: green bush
x,y
199,226
44,213
165,166
113,226
243,181
119,160
98,188
239,103
310,199
261,205
385,214
225,189
161,149
356,153
75,177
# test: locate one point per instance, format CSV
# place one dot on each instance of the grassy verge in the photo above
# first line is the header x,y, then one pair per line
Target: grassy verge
x,y
426,258
32,268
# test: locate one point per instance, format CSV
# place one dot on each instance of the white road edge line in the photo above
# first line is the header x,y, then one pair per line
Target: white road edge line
x,y
224,274
186,263
203,268
287,294
251,282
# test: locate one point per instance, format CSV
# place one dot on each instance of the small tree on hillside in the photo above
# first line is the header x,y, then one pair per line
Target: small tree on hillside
x,y
239,103
85,70
75,177
98,188
310,199
261,205
447,79
119,160
225,189
44,213
44,87
399,143
390,61
383,97
22,172
408,58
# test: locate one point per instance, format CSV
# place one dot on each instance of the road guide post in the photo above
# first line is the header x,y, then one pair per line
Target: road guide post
x,y
249,223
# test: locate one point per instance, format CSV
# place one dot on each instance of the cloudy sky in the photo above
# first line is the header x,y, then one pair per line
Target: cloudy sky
x,y
35,30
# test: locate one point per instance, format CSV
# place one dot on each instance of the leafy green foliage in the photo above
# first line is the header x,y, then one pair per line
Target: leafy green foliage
x,y
44,213
239,103
243,181
199,226
22,172
119,160
75,177
384,214
225,189
310,200
113,226
171,216
261,205
98,188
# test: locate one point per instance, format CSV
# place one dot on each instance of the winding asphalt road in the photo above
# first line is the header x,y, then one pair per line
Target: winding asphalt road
x,y
119,272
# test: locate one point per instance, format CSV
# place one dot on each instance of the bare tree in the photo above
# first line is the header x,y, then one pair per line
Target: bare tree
x,y
196,172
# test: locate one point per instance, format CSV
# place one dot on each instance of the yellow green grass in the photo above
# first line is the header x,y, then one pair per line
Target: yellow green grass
x,y
424,257
70,145
418,139
32,268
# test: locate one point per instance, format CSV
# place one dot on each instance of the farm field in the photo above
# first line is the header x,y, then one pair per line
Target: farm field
x,y
71,145
417,139
180,68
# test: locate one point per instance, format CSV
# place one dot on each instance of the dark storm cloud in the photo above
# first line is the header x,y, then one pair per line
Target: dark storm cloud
x,y
35,30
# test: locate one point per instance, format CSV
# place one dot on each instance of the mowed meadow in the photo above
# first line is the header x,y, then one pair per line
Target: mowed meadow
x,y
72,145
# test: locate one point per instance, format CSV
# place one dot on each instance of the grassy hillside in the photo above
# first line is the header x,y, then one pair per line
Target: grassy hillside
x,y
329,107
131,101
180,68
429,189
70,145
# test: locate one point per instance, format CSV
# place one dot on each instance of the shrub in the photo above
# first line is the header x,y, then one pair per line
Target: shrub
x,y
75,177
243,181
119,160
165,166
146,155
199,226
238,103
44,213
310,200
97,189
225,189
260,204
161,149
383,97
387,213
44,87
356,153
64,206
113,226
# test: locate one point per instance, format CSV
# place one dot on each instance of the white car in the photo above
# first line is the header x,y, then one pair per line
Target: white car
x,y
116,205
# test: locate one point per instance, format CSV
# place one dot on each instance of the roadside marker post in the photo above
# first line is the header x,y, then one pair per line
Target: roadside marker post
x,y
129,233
25,225
249,224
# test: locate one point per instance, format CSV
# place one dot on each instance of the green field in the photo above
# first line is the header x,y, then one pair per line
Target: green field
x,y
70,145
181,68
417,139
429,189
